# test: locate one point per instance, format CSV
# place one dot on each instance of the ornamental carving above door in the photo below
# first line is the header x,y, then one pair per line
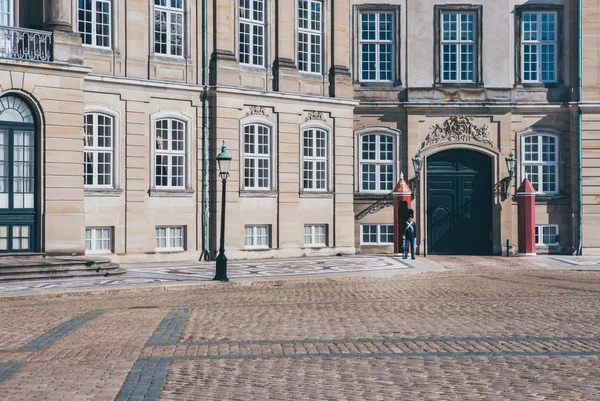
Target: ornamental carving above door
x,y
458,129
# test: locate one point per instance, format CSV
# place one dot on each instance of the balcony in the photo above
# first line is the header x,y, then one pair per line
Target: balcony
x,y
25,44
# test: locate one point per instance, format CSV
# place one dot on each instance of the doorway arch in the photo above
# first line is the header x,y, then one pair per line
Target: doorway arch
x,y
18,187
459,202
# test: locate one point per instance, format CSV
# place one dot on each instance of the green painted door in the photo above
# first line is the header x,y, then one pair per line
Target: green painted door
x,y
459,203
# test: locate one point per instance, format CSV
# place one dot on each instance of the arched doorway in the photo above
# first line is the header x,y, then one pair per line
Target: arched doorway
x,y
459,203
18,201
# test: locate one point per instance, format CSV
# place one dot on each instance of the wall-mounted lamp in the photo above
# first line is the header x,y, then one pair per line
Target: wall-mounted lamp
x,y
417,162
511,163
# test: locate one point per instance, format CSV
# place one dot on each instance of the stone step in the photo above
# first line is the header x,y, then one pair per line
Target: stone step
x,y
62,275
20,268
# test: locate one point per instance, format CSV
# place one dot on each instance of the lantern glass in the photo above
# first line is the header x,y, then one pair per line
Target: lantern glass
x,y
224,161
417,163
511,163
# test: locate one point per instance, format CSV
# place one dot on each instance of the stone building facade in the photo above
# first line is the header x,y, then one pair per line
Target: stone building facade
x,y
106,107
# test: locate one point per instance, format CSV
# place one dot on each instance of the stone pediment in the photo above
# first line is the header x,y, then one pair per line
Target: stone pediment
x,y
458,129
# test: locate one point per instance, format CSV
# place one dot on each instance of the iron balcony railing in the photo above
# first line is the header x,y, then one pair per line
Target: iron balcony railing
x,y
25,44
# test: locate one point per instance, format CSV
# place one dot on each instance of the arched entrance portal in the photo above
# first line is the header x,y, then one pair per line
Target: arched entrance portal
x,y
459,203
18,203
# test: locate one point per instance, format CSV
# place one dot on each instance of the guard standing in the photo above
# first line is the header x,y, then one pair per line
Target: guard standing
x,y
409,235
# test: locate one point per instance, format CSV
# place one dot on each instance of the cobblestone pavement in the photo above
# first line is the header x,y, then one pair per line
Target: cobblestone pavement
x,y
475,329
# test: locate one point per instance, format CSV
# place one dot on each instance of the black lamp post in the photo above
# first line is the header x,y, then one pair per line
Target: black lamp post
x,y
417,162
223,160
511,163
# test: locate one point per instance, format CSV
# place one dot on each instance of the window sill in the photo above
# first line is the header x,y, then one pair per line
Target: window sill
x,y
317,195
166,58
384,244
175,250
258,194
253,68
315,76
540,85
105,51
371,195
379,84
315,247
257,249
550,197
466,85
102,192
171,193
98,252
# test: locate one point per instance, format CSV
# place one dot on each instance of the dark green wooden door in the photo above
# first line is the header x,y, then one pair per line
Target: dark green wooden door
x,y
459,203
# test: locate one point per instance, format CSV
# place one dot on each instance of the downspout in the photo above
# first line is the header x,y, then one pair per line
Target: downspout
x,y
205,210
579,130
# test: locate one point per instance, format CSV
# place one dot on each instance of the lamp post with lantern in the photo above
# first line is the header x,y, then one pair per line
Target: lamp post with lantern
x,y
511,163
417,162
224,161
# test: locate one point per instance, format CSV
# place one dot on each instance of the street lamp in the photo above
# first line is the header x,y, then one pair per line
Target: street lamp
x,y
223,160
511,163
417,162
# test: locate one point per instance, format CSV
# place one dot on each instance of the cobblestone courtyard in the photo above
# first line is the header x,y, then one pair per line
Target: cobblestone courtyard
x,y
481,329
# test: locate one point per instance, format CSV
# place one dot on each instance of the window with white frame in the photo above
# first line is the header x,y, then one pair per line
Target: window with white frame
x,y
252,32
546,235
168,27
376,46
377,234
170,238
98,240
257,156
98,150
315,235
540,162
377,162
257,237
310,48
314,159
94,23
170,153
458,46
539,47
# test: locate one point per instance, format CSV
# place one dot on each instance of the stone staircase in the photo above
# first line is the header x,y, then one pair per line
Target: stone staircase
x,y
39,267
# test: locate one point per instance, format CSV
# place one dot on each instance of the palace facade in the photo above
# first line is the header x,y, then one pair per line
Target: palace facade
x,y
112,113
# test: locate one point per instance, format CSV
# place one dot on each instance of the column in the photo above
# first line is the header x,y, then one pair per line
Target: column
x,y
58,15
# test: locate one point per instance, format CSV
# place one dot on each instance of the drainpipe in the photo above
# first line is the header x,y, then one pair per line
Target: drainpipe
x,y
579,130
205,210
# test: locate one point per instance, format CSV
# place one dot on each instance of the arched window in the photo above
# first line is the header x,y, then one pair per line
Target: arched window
x,y
377,163
314,159
540,162
99,150
257,157
170,152
13,109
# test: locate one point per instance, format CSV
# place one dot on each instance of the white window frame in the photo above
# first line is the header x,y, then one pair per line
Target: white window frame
x,y
94,232
9,13
257,157
313,31
378,233
377,162
538,43
170,153
310,232
169,11
314,159
169,234
459,42
93,33
254,236
540,163
95,150
256,40
377,42
539,234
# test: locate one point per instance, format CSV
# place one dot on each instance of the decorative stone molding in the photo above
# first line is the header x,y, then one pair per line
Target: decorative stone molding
x,y
257,111
458,129
315,115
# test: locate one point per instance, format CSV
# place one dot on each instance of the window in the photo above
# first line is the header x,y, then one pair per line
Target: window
x,y
315,235
252,32
310,17
257,237
314,160
540,162
546,235
458,46
98,157
257,156
377,162
170,238
168,27
98,240
376,46
539,46
377,234
93,21
170,153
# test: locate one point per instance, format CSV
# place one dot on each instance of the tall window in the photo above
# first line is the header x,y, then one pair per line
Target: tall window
x,y
168,27
539,46
252,32
540,162
7,12
93,22
376,46
257,156
170,153
310,49
314,160
377,162
458,46
99,146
